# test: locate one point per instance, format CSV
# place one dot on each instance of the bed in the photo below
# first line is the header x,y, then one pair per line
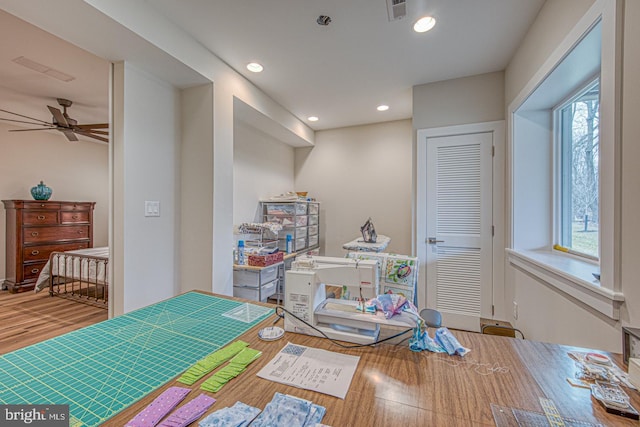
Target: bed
x,y
81,275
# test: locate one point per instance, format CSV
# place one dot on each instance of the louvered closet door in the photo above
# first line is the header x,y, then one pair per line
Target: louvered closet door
x,y
459,229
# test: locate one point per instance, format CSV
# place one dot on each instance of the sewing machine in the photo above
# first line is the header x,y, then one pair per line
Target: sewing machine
x,y
340,319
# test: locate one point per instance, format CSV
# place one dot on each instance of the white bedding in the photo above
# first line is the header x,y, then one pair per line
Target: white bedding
x,y
75,268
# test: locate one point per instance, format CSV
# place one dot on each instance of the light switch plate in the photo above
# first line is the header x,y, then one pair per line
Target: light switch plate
x,y
151,208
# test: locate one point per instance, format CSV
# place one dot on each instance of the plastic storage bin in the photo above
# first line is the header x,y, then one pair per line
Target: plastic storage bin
x,y
301,244
313,208
313,241
280,209
296,233
288,220
313,229
313,220
254,293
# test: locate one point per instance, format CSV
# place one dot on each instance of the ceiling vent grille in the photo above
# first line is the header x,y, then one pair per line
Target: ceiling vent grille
x,y
397,9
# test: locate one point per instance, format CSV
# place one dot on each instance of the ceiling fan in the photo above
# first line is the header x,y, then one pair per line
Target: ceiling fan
x,y
62,122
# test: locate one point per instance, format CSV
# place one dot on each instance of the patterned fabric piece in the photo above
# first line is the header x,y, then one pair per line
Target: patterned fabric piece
x,y
161,406
239,415
189,412
289,411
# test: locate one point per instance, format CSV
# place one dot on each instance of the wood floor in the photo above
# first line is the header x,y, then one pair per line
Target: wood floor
x,y
27,318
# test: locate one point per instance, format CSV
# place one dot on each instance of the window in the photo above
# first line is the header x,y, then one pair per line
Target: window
x,y
577,122
564,173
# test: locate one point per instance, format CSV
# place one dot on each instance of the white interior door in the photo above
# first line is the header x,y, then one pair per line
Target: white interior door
x,y
459,229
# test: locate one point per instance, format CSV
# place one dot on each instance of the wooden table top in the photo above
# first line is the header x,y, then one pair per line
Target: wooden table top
x,y
395,386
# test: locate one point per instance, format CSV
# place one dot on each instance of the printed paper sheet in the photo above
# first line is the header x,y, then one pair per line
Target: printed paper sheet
x,y
312,369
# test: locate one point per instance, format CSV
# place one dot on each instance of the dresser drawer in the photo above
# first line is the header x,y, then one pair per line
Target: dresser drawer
x,y
70,217
75,206
47,234
30,217
42,252
32,271
41,205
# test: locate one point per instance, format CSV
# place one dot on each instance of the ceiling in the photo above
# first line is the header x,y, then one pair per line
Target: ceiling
x,y
28,92
339,72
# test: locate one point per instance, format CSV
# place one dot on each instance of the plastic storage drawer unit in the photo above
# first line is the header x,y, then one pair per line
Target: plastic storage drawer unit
x,y
254,293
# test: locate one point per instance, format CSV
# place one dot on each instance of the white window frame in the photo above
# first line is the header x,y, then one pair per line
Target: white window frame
x,y
558,160
530,249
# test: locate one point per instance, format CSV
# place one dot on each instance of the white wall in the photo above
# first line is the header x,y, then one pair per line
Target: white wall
x,y
262,167
630,246
554,21
147,137
474,99
550,315
75,171
196,180
145,21
356,173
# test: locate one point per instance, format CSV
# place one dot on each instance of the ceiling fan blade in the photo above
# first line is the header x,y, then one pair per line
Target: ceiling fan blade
x,y
26,117
98,132
57,114
27,130
69,134
94,126
29,123
83,133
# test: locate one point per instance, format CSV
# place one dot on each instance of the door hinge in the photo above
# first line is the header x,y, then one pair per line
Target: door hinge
x,y
493,310
493,151
493,230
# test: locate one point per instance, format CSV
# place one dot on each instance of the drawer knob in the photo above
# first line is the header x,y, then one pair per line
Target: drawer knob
x,y
34,233
74,216
42,205
41,217
35,252
35,270
79,231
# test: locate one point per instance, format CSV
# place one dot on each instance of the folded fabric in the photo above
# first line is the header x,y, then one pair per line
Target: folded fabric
x,y
236,366
211,362
422,341
239,415
392,304
289,411
445,338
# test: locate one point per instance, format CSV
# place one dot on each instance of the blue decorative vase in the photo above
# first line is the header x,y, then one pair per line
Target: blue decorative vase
x,y
41,192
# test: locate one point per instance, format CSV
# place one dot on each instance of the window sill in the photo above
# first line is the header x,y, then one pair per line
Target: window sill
x,y
569,275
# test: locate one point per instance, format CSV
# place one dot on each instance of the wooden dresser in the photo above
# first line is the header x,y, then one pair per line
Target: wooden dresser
x,y
37,228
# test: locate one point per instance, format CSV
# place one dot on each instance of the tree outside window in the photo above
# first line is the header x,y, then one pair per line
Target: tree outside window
x,y
579,148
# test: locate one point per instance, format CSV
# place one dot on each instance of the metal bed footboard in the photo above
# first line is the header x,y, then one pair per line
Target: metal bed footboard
x,y
83,278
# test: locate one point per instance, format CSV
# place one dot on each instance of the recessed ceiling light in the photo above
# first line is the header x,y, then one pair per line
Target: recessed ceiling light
x,y
312,118
254,67
382,107
424,24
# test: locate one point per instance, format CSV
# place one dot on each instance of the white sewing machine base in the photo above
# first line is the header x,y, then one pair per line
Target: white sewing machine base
x,y
341,320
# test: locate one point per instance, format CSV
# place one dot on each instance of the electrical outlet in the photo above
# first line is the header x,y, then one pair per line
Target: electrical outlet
x,y
515,310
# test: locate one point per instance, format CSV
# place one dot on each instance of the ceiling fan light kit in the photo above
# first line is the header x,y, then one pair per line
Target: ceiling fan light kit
x,y
62,122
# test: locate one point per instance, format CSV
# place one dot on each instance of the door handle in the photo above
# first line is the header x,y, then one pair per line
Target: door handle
x,y
433,241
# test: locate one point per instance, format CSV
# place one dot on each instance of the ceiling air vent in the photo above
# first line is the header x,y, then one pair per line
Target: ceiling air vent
x,y
397,9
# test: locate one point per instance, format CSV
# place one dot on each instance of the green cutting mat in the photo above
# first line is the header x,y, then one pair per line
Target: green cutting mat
x,y
101,369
